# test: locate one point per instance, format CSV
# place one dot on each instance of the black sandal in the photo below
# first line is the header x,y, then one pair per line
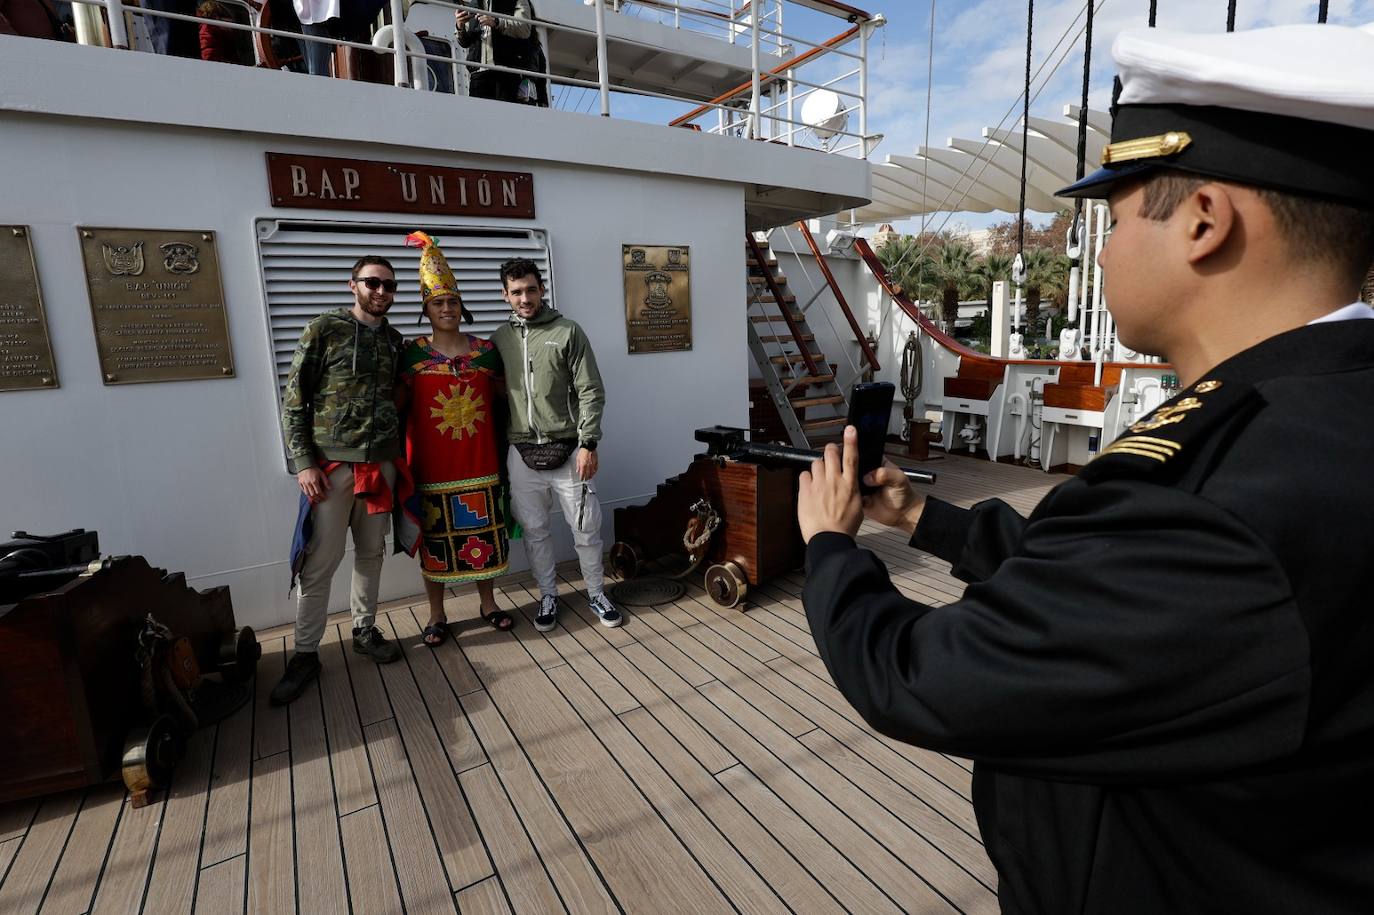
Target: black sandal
x,y
436,631
499,620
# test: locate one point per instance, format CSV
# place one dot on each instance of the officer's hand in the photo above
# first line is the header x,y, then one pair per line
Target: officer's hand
x,y
313,483
586,464
488,21
828,494
895,503
461,16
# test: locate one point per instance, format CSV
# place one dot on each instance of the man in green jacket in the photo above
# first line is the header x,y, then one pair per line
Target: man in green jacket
x,y
342,438
556,400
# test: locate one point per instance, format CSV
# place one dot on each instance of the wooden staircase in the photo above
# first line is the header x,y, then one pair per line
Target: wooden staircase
x,y
799,378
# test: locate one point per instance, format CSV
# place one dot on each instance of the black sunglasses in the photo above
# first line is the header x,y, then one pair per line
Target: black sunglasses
x,y
375,282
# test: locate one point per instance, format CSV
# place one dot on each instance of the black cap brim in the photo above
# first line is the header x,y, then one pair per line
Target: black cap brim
x,y
1099,184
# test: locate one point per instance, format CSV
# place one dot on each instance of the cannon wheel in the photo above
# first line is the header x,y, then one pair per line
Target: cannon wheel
x,y
626,559
150,754
726,584
238,655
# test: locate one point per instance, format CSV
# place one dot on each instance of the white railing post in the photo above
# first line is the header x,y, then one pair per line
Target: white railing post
x,y
754,108
119,33
398,42
603,70
791,112
731,26
677,15
863,89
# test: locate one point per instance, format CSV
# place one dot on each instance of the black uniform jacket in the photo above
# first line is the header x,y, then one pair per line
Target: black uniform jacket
x,y
1166,675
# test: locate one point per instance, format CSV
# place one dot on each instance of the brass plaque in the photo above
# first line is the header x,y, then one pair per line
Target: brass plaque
x,y
658,298
25,350
157,304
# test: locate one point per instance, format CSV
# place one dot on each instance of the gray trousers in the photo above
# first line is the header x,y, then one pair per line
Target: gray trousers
x,y
532,495
339,513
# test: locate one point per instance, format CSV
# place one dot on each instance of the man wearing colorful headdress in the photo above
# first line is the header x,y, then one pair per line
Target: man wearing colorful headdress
x,y
1166,674
452,429
343,442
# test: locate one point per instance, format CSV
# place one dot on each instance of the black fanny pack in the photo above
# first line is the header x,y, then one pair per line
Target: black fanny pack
x,y
546,455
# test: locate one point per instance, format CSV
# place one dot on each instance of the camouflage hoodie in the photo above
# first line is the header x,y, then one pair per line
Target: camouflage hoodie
x,y
339,402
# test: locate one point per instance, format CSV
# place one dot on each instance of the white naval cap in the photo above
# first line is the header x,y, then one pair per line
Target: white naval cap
x,y
1289,108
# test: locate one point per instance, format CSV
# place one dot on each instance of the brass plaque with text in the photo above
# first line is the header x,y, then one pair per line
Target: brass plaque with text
x,y
25,351
157,304
658,298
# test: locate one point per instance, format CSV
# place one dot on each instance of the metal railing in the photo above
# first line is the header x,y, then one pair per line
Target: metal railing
x,y
764,108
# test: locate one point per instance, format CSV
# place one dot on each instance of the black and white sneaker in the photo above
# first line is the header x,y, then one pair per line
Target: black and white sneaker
x,y
547,617
608,612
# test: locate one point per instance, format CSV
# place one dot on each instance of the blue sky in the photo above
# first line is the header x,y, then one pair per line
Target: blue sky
x,y
978,65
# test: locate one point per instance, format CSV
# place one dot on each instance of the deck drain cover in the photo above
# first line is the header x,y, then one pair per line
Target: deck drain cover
x,y
647,591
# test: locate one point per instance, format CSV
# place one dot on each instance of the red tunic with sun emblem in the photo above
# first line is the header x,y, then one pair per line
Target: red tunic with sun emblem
x,y
451,448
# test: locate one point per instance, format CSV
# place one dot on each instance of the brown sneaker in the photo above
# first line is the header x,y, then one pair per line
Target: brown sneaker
x,y
303,667
372,643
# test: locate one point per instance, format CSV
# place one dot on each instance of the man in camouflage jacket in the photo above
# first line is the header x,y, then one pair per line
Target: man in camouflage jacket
x,y
342,437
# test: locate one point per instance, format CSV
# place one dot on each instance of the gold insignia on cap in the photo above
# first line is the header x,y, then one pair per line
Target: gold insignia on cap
x,y
1166,144
1207,387
1167,416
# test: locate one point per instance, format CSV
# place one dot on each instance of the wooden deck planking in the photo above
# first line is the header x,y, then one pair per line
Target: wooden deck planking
x,y
222,888
439,797
73,885
371,877
38,853
353,786
271,827
176,867
698,758
319,866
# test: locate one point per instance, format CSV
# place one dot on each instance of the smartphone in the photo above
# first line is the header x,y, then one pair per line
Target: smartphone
x,y
870,411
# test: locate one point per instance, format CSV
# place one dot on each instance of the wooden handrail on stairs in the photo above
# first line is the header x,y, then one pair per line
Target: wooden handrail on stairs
x,y
869,356
776,290
865,252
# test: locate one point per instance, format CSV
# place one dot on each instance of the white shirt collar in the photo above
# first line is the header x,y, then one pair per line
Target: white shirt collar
x,y
1352,312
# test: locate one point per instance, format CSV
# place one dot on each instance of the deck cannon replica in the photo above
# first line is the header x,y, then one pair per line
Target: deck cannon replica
x,y
734,509
107,664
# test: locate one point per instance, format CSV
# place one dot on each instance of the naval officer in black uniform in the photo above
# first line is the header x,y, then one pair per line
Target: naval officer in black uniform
x,y
1165,675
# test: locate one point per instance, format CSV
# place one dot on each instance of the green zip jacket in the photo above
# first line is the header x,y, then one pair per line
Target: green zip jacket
x,y
339,402
553,386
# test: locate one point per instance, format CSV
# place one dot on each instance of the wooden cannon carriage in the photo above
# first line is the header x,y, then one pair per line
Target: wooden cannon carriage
x,y
90,687
756,538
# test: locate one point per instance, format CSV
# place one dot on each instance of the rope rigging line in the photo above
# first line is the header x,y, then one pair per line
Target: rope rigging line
x,y
1231,16
1321,10
1025,128
1083,124
1153,11
925,162
986,163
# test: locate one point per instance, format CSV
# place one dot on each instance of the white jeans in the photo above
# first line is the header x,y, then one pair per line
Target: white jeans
x,y
333,518
532,493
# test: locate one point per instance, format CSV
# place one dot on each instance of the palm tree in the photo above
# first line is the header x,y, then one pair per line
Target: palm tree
x,y
990,269
1047,276
907,262
953,271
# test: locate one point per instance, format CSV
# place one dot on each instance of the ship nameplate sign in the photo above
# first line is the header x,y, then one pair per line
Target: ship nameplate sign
x,y
25,350
658,297
157,304
328,183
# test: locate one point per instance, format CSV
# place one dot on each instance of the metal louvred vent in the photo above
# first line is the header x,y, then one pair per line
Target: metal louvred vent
x,y
305,269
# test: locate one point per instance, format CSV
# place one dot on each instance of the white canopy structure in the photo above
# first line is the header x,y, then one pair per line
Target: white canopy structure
x,y
980,176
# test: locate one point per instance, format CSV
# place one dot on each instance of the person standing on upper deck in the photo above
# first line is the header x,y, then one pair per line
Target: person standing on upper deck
x,y
556,400
343,440
491,40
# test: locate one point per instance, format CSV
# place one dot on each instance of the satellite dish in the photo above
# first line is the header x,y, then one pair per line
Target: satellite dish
x,y
823,111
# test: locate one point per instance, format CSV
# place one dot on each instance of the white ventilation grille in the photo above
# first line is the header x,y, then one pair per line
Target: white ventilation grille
x,y
305,270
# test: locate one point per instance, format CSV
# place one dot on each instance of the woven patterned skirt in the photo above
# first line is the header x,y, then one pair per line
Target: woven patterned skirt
x,y
464,530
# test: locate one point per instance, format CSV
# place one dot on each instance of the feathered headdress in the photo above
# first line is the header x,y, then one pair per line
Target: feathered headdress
x,y
436,278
